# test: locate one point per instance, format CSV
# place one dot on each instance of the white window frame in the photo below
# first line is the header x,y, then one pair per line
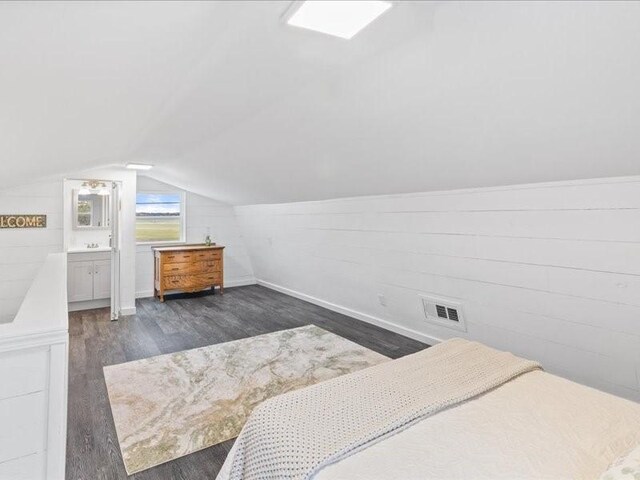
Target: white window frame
x,y
183,216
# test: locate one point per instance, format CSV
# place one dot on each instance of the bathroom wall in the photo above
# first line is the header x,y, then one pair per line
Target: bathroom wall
x,y
203,215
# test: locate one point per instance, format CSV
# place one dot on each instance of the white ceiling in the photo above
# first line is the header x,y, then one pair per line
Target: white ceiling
x,y
227,100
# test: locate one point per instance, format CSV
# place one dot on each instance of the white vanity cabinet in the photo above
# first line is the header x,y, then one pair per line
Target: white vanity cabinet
x,y
101,279
89,276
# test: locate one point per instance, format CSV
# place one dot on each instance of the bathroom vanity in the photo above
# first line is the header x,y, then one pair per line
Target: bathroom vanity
x,y
89,275
87,236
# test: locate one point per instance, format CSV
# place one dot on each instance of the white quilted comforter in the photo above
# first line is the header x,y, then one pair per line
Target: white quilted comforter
x,y
535,427
293,436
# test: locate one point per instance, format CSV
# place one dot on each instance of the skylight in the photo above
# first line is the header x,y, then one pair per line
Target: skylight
x,y
139,166
341,18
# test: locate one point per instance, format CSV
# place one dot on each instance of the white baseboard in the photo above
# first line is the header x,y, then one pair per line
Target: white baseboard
x,y
89,305
128,311
103,303
239,282
386,324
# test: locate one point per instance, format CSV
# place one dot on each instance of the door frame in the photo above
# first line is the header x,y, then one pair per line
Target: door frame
x,y
115,241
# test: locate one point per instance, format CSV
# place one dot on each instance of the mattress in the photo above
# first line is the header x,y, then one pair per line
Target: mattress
x,y
537,426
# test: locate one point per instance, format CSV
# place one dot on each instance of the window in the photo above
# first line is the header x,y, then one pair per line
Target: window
x,y
159,217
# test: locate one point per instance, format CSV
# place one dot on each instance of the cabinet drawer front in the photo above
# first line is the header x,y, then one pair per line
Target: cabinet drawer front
x,y
213,278
194,282
192,268
209,255
183,268
171,282
177,257
212,266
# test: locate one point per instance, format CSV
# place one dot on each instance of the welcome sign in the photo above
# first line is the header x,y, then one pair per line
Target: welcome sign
x,y
23,221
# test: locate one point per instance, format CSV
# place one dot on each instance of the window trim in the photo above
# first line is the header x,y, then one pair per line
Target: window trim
x,y
183,217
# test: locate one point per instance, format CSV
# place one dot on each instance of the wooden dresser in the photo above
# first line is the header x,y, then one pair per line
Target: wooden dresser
x,y
188,268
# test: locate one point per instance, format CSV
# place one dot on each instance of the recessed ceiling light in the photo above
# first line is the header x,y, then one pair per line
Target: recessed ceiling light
x,y
341,18
139,166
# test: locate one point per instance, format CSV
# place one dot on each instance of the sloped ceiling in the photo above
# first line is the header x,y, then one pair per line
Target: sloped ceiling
x,y
227,100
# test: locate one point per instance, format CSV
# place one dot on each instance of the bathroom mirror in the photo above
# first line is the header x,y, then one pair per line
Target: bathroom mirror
x,y
90,210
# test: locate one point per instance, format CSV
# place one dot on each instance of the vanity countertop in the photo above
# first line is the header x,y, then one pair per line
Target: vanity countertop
x,y
88,250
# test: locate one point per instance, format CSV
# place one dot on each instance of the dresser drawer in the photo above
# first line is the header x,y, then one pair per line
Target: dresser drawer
x,y
184,268
178,257
208,255
192,268
187,282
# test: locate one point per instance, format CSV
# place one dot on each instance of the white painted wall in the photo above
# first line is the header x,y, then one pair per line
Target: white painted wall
x,y
24,251
548,271
203,216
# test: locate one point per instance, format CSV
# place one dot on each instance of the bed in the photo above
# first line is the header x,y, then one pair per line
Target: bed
x,y
535,426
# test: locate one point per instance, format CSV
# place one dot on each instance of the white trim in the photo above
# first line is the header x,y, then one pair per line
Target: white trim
x,y
102,303
241,282
89,304
128,311
144,294
386,324
57,411
33,339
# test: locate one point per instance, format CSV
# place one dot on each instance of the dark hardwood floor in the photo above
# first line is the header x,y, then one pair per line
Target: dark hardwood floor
x,y
183,322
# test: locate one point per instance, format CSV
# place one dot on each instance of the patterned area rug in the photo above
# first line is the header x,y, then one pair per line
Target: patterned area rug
x,y
168,406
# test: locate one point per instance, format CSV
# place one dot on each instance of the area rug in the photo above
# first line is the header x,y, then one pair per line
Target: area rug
x,y
171,405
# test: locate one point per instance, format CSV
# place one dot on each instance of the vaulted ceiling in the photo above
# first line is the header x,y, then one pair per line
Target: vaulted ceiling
x,y
229,101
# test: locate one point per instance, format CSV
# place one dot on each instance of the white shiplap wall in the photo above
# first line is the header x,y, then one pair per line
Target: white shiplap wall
x,y
202,215
548,271
23,252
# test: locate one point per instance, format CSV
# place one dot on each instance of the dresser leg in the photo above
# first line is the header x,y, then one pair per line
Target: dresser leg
x,y
221,290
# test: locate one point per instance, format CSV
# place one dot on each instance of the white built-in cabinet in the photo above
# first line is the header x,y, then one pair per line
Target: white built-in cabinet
x,y
89,276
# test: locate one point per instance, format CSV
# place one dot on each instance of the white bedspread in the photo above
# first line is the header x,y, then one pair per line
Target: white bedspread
x,y
537,426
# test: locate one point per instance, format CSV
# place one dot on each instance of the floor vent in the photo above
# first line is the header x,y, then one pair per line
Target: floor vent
x,y
446,312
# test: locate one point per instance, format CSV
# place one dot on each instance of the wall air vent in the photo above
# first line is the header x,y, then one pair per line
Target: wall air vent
x,y
446,312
